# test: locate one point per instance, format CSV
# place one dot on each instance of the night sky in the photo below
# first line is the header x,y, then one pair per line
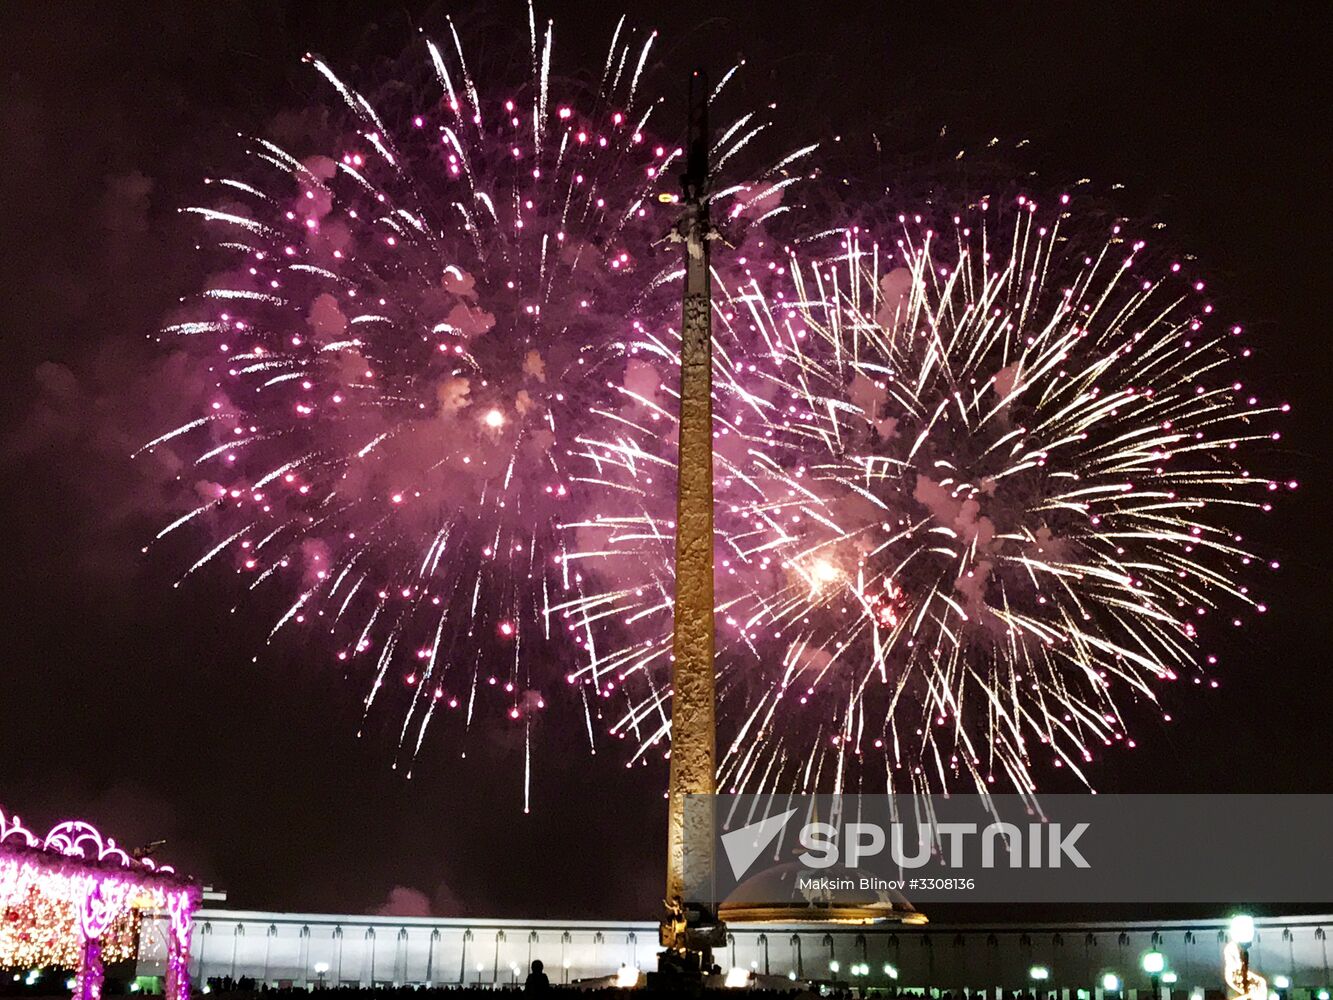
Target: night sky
x,y
138,706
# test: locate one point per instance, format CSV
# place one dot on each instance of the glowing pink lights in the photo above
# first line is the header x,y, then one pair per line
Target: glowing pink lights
x,y
73,893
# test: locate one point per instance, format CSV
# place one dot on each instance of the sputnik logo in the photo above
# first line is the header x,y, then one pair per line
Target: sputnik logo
x,y
744,846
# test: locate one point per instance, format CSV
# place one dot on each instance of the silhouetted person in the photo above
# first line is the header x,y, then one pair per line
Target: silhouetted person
x,y
536,981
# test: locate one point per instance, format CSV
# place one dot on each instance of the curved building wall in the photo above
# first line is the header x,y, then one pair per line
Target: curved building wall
x,y
310,949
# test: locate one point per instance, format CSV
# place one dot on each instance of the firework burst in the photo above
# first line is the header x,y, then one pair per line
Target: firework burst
x,y
978,488
978,484
398,336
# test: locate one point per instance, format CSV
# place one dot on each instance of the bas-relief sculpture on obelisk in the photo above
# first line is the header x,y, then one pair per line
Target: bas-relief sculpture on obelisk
x,y
690,928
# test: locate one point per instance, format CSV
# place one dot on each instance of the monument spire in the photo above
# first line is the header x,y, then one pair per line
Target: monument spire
x,y
687,929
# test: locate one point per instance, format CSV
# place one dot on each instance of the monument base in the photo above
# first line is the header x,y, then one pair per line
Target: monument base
x,y
688,934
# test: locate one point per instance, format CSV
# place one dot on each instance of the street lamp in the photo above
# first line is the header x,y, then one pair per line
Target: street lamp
x,y
1110,982
1242,928
1153,963
892,973
1281,983
1039,974
1169,978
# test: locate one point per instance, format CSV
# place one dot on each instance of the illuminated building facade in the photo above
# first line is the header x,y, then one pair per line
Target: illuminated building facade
x,y
309,949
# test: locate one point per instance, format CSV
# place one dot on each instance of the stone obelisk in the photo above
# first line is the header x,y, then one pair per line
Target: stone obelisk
x,y
693,731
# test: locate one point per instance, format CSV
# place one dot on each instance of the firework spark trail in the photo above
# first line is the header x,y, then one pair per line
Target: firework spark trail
x,y
401,330
975,489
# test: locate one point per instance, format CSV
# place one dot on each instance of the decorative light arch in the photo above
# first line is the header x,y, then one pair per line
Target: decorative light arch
x,y
69,899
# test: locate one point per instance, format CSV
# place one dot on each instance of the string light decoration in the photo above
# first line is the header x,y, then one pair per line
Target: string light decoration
x,y
72,899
